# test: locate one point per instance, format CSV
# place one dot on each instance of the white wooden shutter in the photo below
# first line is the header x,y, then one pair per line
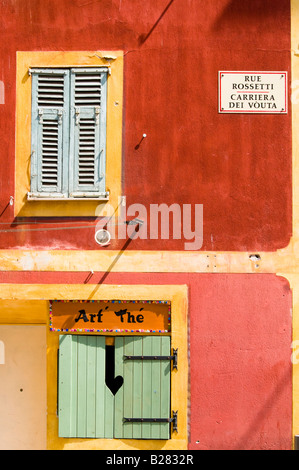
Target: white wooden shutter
x,y
88,132
49,133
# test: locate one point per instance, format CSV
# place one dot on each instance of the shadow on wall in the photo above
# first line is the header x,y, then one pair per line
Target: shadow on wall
x,y
237,11
144,37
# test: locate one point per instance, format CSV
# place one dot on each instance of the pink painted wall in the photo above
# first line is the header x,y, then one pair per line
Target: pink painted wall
x,y
240,354
241,363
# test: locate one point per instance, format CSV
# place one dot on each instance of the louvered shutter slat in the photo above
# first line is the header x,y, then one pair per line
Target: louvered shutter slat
x,y
50,152
88,90
87,149
51,90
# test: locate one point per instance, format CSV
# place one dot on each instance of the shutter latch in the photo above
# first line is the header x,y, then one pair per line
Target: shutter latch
x,y
173,420
173,358
59,116
97,115
40,115
77,113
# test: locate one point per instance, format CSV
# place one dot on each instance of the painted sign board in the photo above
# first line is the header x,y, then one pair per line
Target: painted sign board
x,y
253,92
110,316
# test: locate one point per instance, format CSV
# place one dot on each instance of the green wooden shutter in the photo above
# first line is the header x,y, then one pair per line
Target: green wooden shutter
x,y
49,132
85,404
88,132
146,388
88,409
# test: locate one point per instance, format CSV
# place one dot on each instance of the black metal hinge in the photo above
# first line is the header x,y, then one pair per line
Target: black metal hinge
x,y
173,420
173,358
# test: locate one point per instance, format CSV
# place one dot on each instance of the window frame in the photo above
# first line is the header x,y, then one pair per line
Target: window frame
x,y
75,206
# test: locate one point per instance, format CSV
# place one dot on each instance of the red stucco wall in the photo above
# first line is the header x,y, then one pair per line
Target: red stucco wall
x,y
238,167
241,394
240,354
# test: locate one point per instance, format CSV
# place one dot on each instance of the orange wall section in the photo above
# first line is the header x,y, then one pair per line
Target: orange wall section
x,y
238,167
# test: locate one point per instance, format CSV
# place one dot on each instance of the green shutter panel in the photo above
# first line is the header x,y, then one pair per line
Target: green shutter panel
x,y
49,132
88,132
146,388
85,404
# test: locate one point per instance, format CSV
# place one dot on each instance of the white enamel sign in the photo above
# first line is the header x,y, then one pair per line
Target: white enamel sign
x,y
253,92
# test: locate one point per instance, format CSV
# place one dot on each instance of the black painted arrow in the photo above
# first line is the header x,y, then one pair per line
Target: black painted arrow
x,y
113,383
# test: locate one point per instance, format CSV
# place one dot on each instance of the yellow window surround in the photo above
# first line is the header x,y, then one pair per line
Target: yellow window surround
x,y
60,208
